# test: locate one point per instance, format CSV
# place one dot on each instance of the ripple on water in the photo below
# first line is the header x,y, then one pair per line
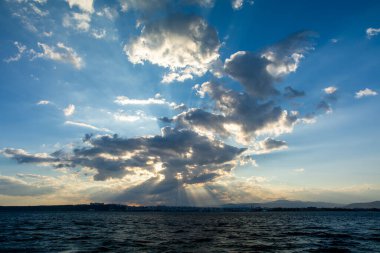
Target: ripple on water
x,y
189,232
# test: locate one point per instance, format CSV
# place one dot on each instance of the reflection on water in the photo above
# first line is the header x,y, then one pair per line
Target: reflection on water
x,y
190,232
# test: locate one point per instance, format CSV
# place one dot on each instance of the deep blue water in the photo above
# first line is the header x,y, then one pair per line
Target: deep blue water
x,y
190,232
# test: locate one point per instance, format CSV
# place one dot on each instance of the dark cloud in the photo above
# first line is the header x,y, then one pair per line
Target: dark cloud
x,y
327,102
324,106
258,72
250,70
292,93
236,109
270,144
23,157
165,120
204,120
176,157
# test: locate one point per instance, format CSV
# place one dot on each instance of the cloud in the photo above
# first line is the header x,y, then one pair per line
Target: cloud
x,y
143,5
157,100
186,45
324,106
41,1
269,145
292,93
61,53
21,49
78,21
139,115
109,13
85,125
84,5
371,32
150,6
258,72
69,110
122,100
365,93
238,114
43,102
330,89
14,187
175,159
330,97
38,11
202,3
99,33
237,4
21,156
32,16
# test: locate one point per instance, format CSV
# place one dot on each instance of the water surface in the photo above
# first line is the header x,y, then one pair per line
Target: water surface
x,y
190,232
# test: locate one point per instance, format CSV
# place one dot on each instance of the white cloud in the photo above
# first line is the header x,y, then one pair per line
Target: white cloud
x,y
78,21
43,102
85,125
69,110
139,115
41,1
122,100
98,33
109,13
157,100
330,89
38,11
20,48
84,5
364,93
126,118
237,4
186,45
371,32
202,3
60,53
143,5
47,34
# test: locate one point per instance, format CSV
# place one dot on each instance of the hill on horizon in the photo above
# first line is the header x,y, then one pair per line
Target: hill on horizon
x,y
282,203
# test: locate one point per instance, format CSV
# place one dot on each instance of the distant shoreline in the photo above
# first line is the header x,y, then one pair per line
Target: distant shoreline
x,y
99,207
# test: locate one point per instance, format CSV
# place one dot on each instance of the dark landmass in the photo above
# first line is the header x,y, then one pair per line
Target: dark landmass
x,y
305,204
286,204
374,204
279,205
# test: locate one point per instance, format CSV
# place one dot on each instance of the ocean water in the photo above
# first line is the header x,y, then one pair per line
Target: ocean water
x,y
190,232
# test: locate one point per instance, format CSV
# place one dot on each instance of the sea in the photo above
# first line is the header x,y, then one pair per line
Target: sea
x,y
303,231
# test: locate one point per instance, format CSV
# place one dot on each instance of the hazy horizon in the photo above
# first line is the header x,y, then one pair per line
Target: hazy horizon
x,y
193,102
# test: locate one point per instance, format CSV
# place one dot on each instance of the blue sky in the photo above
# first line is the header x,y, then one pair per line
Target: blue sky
x,y
194,102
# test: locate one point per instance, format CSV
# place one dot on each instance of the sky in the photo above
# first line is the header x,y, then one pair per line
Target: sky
x,y
189,102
